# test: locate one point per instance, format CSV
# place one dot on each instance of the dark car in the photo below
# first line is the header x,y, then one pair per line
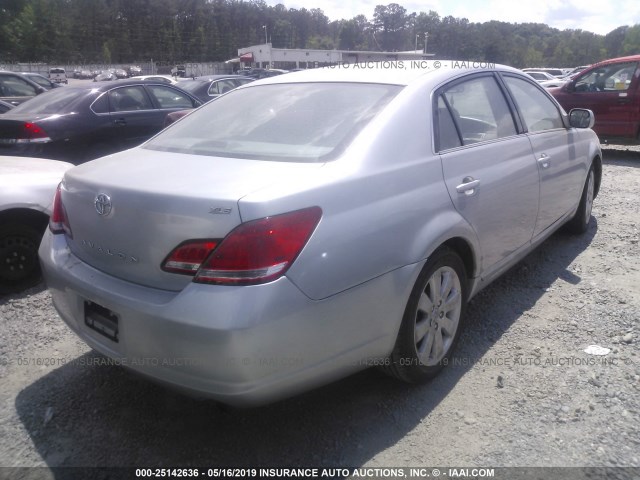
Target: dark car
x,y
133,70
611,89
41,80
258,73
15,88
120,73
80,123
105,76
209,87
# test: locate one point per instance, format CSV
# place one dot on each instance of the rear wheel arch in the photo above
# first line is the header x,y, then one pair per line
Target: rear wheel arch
x,y
25,216
596,164
465,252
21,232
432,320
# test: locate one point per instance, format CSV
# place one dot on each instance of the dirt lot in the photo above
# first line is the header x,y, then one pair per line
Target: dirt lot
x,y
521,391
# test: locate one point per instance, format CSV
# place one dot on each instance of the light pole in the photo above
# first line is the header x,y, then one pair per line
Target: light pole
x,y
265,34
426,37
417,35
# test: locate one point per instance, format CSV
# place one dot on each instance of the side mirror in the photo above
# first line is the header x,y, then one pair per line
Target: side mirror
x,y
581,118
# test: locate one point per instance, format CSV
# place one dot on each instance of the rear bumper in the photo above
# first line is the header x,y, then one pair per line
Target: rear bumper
x,y
240,345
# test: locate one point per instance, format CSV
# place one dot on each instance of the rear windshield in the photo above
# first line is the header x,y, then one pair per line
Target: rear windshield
x,y
57,70
58,100
301,122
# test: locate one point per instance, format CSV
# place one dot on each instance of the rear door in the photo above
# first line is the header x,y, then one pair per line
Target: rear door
x,y
489,169
134,118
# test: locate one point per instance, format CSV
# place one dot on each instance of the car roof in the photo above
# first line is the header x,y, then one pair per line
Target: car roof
x,y
386,72
630,58
208,78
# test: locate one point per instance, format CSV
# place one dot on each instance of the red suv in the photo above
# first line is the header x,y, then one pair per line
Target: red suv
x,y
610,90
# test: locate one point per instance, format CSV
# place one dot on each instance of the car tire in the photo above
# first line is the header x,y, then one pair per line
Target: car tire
x,y
19,264
580,221
432,321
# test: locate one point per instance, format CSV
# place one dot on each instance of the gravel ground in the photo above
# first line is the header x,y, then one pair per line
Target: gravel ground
x,y
521,391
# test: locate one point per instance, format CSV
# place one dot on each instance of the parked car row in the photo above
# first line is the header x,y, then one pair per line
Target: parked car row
x,y
80,123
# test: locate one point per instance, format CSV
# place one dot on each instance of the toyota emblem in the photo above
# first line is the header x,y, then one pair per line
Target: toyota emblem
x,y
102,204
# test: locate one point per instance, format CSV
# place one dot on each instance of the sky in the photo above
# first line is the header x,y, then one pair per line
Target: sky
x,y
591,15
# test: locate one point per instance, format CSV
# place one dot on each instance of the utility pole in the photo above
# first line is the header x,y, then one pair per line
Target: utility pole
x,y
265,34
426,37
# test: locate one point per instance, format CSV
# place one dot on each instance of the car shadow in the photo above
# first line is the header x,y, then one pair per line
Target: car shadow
x,y
93,415
621,156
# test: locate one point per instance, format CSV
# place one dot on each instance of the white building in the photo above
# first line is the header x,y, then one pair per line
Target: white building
x,y
265,56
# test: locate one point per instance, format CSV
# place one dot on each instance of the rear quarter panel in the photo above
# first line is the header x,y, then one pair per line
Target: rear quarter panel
x,y
384,203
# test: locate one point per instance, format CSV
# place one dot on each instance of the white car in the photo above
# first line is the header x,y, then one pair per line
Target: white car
x,y
541,76
27,187
156,78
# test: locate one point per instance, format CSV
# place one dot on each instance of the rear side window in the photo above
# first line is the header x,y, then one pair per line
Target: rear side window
x,y
538,111
129,99
478,110
447,135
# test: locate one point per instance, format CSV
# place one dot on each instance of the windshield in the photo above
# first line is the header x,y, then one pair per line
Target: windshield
x,y
305,122
58,100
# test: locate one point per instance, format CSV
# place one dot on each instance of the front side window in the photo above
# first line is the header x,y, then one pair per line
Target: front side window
x,y
168,97
538,111
298,122
478,109
615,77
221,86
43,82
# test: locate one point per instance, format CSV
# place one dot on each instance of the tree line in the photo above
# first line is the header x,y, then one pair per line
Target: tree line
x,y
175,31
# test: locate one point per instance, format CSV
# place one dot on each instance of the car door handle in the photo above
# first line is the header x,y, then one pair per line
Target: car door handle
x,y
544,161
120,121
468,186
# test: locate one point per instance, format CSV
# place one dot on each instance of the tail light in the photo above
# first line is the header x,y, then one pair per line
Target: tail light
x,y
255,252
188,256
58,222
32,133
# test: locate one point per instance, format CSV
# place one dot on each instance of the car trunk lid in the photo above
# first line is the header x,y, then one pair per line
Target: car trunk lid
x,y
128,211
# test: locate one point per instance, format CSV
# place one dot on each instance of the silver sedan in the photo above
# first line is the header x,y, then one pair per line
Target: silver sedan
x,y
306,226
